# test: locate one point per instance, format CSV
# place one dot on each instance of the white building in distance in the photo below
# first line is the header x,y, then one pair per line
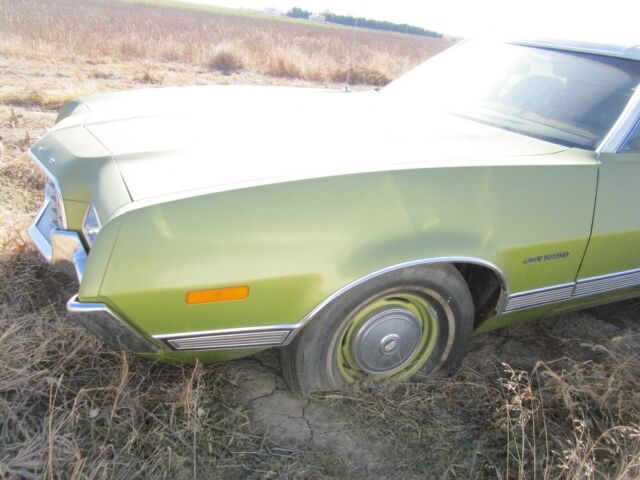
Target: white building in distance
x,y
317,17
273,11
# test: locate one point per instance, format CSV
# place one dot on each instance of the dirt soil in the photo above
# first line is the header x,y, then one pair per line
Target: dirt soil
x,y
366,447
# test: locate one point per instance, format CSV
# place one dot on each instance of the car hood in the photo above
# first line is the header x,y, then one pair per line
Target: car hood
x,y
173,140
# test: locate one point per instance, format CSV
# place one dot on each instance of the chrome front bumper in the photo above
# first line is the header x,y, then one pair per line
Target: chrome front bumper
x,y
62,248
65,250
105,324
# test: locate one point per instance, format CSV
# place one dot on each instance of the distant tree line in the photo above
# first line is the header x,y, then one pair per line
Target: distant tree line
x,y
296,12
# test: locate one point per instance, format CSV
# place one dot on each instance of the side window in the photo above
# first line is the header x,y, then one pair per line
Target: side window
x,y
633,142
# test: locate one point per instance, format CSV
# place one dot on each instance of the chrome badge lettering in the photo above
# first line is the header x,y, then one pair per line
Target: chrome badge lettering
x,y
544,258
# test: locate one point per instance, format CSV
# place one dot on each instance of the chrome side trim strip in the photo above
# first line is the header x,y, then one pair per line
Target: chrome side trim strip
x,y
568,291
539,297
607,283
102,322
244,337
230,340
224,331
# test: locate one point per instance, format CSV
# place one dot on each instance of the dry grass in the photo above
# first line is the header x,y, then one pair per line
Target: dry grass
x,y
228,43
33,98
565,419
69,409
555,399
572,419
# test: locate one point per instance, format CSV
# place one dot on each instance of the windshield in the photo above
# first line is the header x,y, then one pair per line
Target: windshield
x,y
563,97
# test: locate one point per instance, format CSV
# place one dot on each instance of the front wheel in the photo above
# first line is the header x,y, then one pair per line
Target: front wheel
x,y
390,327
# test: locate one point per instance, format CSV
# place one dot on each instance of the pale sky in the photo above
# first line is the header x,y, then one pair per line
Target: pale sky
x,y
594,20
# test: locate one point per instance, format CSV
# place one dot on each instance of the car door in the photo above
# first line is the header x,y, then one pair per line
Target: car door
x,y
611,266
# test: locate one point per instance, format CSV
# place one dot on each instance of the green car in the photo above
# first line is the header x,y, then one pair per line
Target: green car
x,y
367,235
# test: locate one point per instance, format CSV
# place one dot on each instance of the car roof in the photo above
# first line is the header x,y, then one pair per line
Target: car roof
x,y
631,52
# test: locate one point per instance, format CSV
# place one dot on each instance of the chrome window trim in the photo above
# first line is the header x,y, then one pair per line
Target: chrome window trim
x,y
614,140
55,183
629,136
628,52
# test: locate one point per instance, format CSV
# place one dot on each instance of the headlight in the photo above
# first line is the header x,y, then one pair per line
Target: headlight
x,y
91,225
52,196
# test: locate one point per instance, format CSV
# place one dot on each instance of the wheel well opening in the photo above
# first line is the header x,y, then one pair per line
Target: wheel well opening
x,y
486,289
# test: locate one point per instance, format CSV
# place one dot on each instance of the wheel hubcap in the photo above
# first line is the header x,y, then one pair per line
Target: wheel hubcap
x,y
386,340
392,336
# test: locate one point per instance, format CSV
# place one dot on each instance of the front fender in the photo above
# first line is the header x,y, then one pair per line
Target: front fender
x,y
295,244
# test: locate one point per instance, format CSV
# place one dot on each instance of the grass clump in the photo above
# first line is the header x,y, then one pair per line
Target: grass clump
x,y
226,62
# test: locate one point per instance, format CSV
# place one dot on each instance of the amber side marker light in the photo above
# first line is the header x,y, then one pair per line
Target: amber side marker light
x,y
217,295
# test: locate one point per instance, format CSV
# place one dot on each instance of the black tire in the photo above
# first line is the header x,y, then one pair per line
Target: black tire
x,y
310,362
